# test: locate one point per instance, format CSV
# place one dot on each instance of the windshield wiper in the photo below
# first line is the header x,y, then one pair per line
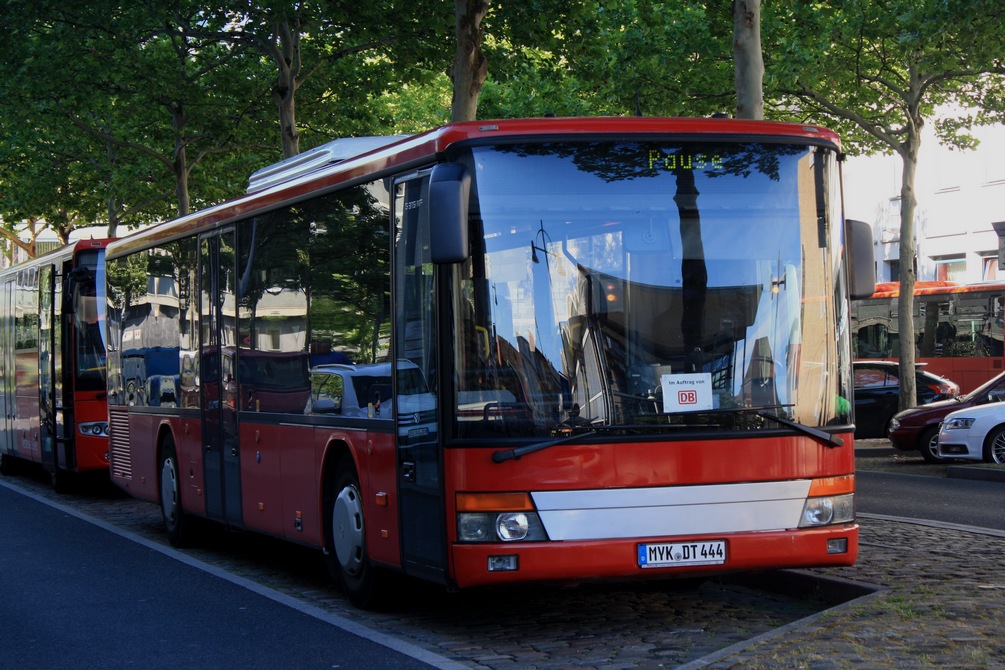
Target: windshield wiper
x,y
828,439
516,453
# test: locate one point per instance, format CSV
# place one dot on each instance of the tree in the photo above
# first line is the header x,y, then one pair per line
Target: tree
x,y
159,100
654,57
470,66
748,60
348,51
879,71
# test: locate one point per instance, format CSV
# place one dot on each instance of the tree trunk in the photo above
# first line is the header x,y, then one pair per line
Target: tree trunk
x,y
905,304
747,59
285,90
178,165
113,217
470,67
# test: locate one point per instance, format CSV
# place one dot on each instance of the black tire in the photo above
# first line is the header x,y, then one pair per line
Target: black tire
x,y
928,442
363,584
994,446
61,480
177,524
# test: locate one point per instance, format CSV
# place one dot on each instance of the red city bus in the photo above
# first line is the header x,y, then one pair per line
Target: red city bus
x,y
958,328
497,352
53,386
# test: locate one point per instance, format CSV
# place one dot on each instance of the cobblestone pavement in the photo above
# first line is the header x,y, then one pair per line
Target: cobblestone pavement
x,y
943,604
939,605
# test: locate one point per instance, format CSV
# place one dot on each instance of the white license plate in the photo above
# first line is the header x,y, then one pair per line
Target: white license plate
x,y
673,554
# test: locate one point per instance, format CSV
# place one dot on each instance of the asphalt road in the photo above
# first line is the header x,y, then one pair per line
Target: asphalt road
x,y
76,595
965,502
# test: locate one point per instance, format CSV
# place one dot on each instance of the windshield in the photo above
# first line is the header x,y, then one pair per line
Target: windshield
x,y
650,286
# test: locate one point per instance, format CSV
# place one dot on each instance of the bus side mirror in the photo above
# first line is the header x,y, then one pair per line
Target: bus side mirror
x,y
861,259
449,189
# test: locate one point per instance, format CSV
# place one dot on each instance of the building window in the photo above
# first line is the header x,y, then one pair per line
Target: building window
x,y
894,267
951,269
992,142
989,268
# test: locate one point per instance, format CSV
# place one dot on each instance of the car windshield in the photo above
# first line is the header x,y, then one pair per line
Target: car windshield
x,y
650,286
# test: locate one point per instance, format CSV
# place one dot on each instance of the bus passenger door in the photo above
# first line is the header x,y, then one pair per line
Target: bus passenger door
x,y
217,345
420,470
48,391
7,367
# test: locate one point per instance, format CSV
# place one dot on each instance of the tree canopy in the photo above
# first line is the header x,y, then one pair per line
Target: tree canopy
x,y
121,114
878,72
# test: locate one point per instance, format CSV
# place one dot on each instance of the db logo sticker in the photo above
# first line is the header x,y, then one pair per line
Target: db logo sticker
x,y
687,397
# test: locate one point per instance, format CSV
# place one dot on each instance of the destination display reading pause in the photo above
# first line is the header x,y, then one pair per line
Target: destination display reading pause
x,y
665,554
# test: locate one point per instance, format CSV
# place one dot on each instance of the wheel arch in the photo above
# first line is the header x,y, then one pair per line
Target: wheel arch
x,y
335,451
165,432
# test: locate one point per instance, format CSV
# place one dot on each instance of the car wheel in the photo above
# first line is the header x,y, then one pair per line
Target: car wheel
x,y
177,524
994,446
345,542
928,444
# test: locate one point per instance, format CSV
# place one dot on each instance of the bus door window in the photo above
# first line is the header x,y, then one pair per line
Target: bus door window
x,y
416,336
420,485
218,325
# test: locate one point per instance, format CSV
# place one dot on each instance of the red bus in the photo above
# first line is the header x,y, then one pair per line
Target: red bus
x,y
52,369
497,352
958,328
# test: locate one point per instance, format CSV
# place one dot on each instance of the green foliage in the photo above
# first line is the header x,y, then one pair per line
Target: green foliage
x,y
875,71
115,113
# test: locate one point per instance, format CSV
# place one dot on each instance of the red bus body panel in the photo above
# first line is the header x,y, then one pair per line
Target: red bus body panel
x,y
281,476
629,465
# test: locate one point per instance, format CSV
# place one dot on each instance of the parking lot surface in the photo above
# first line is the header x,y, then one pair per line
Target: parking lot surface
x,y
919,607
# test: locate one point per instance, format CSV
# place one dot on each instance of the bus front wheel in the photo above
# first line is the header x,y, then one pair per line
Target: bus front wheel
x,y
345,541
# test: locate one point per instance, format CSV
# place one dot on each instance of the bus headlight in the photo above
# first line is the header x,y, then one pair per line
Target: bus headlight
x,y
498,517
93,428
500,527
512,526
827,510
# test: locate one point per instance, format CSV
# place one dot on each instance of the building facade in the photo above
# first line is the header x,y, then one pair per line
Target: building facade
x,y
961,195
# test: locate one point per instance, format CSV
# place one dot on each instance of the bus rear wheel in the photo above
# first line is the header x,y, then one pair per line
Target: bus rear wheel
x,y
176,522
345,541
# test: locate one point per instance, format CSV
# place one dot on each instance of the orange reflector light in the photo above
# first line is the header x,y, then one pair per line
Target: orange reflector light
x,y
832,486
494,502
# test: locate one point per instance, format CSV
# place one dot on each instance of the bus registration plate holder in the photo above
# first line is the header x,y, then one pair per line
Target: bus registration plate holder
x,y
674,554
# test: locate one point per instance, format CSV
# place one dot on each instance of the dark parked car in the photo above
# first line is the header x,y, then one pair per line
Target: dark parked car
x,y
918,427
877,394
